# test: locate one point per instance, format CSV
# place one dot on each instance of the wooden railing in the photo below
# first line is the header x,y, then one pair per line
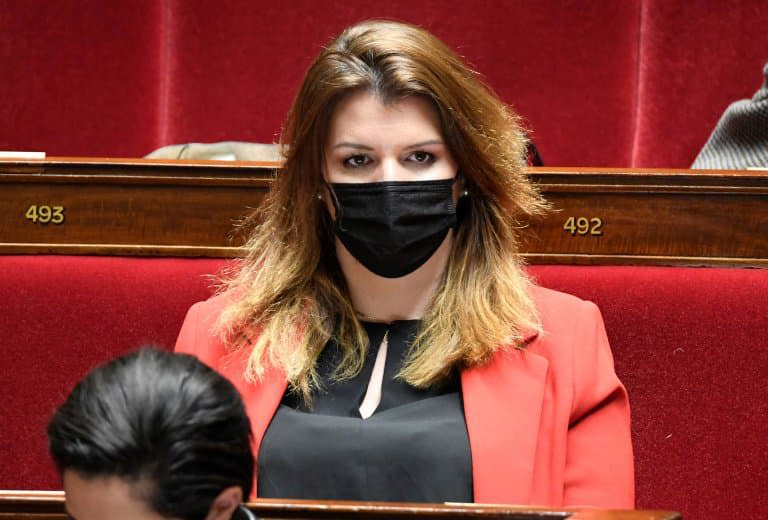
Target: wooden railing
x,y
49,505
183,208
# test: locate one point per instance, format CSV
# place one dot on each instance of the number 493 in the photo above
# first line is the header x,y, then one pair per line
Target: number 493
x,y
45,214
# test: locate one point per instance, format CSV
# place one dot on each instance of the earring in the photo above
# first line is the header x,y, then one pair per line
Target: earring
x,y
465,193
319,196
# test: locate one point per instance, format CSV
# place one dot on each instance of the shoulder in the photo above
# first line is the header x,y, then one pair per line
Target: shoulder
x,y
205,314
198,335
573,336
564,314
213,306
549,301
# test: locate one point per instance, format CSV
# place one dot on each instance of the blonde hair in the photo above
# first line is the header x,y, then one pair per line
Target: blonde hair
x,y
292,295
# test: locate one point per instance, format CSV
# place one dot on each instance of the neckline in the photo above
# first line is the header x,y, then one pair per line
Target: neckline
x,y
371,321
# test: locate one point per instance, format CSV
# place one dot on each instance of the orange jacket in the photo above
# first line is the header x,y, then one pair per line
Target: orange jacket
x,y
547,426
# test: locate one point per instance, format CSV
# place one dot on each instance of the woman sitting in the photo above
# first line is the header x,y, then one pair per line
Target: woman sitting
x,y
382,330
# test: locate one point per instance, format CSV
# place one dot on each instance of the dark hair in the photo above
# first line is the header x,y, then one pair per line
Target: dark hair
x,y
157,418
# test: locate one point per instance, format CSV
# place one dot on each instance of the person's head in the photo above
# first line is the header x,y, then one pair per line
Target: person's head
x,y
383,72
393,62
153,435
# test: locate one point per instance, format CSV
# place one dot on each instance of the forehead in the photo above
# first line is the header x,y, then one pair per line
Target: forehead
x,y
362,117
104,497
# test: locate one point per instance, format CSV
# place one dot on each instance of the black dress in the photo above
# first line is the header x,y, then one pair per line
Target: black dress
x,y
414,448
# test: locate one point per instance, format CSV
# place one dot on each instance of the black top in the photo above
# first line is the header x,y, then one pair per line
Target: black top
x,y
414,448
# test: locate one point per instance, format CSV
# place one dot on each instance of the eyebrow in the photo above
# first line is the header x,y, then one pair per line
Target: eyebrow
x,y
424,143
358,146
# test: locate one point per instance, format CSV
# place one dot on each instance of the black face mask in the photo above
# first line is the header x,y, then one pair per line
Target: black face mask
x,y
393,228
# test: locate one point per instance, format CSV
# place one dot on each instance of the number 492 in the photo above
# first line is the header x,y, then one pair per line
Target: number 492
x,y
45,214
584,226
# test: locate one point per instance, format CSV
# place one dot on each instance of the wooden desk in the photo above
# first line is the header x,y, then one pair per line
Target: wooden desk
x,y
49,505
183,208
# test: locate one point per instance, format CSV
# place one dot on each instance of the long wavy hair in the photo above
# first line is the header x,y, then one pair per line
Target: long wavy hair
x,y
292,296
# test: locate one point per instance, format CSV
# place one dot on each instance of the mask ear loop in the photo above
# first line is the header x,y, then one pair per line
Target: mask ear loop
x,y
464,189
334,200
247,513
463,202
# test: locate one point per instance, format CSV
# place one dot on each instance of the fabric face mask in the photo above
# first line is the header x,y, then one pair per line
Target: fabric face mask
x,y
393,228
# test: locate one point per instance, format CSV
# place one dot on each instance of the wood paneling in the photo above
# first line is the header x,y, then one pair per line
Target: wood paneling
x,y
673,217
129,208
182,208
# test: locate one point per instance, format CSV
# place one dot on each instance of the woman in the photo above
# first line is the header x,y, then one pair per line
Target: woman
x,y
382,330
153,435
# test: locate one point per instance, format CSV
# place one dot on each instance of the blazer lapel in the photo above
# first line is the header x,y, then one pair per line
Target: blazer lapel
x,y
502,406
262,397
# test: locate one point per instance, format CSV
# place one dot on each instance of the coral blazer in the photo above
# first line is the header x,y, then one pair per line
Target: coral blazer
x,y
548,425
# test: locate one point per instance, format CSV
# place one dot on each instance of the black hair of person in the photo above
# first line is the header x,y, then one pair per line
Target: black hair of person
x,y
164,421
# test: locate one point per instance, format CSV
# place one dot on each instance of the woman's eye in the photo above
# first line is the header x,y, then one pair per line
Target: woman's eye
x,y
357,161
421,157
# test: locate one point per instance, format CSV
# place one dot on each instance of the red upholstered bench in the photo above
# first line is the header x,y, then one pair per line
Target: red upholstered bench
x,y
691,344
